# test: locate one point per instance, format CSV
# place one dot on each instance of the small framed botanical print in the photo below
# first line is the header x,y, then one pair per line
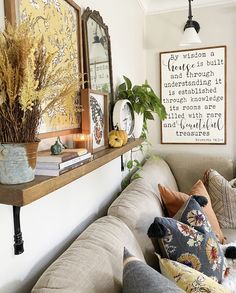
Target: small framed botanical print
x,y
95,117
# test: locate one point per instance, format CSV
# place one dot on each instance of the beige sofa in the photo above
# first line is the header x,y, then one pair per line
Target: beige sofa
x,y
93,263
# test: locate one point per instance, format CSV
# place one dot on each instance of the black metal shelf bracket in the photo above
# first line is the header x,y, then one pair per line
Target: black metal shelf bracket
x,y
18,241
122,167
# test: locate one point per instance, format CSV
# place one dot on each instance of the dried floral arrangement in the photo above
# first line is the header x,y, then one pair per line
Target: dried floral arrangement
x,y
30,84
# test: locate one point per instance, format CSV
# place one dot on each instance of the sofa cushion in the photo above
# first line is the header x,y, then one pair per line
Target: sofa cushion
x,y
156,171
223,197
190,240
189,167
94,262
137,206
139,277
173,201
188,278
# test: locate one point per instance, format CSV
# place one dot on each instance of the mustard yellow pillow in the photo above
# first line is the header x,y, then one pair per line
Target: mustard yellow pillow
x,y
189,279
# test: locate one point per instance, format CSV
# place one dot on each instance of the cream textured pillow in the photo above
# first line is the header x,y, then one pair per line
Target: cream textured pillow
x,y
189,279
223,198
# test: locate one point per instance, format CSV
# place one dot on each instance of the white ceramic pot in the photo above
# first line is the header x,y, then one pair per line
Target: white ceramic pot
x,y
138,124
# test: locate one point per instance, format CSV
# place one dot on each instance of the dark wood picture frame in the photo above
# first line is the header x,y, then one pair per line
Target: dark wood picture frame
x,y
95,16
10,9
196,66
95,113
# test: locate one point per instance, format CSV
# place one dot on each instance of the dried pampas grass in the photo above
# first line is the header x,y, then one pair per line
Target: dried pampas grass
x,y
30,84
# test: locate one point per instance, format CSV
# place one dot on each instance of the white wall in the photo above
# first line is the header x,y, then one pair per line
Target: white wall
x,y
51,223
163,33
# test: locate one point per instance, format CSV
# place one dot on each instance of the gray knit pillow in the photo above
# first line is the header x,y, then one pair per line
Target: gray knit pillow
x,y
138,277
223,198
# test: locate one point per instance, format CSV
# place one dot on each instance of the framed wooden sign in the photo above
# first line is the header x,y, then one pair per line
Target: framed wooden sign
x,y
59,22
95,117
193,90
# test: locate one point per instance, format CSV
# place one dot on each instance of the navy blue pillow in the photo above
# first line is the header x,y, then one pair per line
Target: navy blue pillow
x,y
190,240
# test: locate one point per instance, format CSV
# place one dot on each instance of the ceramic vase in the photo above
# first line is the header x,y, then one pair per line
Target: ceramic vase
x,y
17,162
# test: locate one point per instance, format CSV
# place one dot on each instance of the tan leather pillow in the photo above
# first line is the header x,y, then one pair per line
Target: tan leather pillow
x,y
173,200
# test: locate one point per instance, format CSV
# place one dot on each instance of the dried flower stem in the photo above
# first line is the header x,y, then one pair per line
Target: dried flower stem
x,y
29,84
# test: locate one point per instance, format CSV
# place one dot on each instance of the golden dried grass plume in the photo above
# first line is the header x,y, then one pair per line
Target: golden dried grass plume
x,y
30,84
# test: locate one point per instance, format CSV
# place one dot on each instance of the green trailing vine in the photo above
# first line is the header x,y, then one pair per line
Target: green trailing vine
x,y
144,101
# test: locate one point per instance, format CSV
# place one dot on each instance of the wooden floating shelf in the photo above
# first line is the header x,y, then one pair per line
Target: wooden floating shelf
x,y
22,194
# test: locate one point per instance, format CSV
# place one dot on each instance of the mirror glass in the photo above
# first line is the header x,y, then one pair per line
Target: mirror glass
x,y
97,53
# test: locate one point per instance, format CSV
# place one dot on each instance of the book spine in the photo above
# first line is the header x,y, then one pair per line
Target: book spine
x,y
47,172
75,160
69,156
76,165
47,165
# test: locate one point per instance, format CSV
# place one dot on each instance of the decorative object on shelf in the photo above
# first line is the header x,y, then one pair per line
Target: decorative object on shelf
x,y
97,52
82,140
27,87
57,147
144,101
191,30
17,162
193,90
95,118
120,133
97,55
60,24
123,116
118,138
115,141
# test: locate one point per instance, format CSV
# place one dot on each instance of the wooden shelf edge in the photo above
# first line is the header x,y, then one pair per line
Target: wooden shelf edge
x,y
23,194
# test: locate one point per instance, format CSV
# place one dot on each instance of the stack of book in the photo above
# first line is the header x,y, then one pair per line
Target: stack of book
x,y
55,165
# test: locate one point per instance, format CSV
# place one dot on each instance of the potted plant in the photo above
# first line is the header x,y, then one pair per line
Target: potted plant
x,y
144,101
31,84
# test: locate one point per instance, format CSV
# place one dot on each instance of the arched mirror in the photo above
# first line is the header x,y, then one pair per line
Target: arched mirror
x,y
97,53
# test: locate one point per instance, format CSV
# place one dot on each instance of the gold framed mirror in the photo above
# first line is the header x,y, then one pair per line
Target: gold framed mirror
x,y
97,53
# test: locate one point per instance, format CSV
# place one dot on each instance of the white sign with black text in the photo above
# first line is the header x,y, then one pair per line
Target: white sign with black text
x,y
193,91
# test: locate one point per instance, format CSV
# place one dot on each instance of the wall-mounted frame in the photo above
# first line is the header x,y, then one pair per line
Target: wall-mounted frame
x,y
193,90
95,117
97,53
60,24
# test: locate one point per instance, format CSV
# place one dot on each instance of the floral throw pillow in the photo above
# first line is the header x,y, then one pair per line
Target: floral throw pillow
x,y
174,200
189,279
190,241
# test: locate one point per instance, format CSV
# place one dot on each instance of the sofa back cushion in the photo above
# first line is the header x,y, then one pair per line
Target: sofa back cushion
x,y
94,262
137,206
190,167
156,171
